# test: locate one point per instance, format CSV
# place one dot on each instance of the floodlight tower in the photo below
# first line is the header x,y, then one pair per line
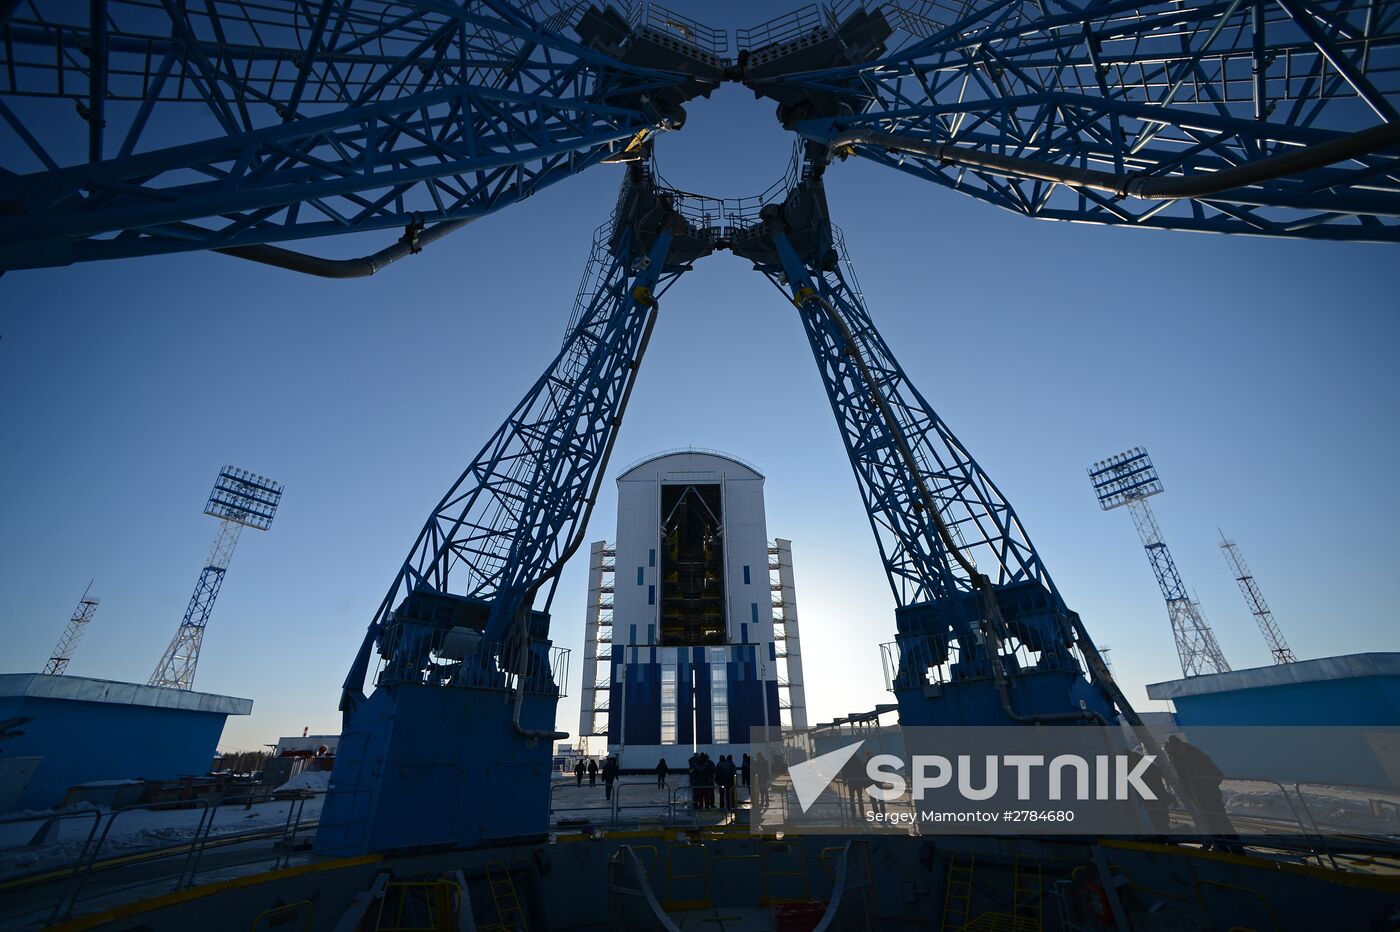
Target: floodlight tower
x,y
82,616
240,499
1129,478
1255,599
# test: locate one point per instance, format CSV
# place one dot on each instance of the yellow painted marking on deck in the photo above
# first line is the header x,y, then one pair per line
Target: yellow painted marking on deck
x,y
153,855
1368,881
196,893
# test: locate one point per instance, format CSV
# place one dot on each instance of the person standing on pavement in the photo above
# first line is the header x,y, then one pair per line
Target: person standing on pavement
x,y
724,779
763,773
611,770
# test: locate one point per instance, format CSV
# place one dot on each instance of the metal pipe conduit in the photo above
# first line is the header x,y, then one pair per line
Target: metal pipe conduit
x,y
362,267
1137,184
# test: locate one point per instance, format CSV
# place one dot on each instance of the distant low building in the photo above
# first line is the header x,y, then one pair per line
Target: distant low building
x,y
81,730
303,743
1351,704
1354,689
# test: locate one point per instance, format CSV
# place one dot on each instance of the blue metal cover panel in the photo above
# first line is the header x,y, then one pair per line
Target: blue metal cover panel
x,y
84,740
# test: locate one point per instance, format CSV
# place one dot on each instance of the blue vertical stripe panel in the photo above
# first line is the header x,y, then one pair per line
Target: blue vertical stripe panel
x,y
651,639
745,702
684,703
651,595
744,633
643,704
746,574
614,706
705,726
773,651
639,575
754,607
735,699
651,560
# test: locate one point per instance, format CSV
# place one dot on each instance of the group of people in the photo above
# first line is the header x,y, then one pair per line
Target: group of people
x,y
714,783
610,771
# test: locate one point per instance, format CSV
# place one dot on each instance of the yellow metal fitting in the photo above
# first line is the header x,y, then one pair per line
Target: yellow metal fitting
x,y
633,151
803,296
642,295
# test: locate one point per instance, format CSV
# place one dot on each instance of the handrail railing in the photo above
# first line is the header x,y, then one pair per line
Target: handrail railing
x,y
56,819
64,907
72,878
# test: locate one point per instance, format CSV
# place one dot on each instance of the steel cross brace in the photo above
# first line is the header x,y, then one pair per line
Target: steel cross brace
x,y
337,117
1132,90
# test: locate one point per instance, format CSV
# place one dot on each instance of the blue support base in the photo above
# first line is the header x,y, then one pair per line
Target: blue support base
x,y
423,767
976,701
945,674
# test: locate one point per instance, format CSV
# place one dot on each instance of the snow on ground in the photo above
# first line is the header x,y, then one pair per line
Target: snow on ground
x,y
315,781
131,830
1330,808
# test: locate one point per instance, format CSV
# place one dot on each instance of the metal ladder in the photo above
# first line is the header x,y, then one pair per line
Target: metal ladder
x,y
957,896
510,916
1027,896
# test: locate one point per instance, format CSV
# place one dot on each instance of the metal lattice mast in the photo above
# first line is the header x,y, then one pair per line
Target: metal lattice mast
x,y
461,638
240,499
978,516
505,526
68,643
1273,636
965,577
1129,478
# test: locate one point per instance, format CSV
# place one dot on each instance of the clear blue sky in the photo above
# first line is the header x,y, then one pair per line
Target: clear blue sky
x,y
1261,375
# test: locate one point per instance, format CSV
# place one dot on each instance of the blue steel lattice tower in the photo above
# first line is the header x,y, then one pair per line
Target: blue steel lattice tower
x,y
241,499
1129,478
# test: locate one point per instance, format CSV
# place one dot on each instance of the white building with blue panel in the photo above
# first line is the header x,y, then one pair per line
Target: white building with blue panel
x,y
691,638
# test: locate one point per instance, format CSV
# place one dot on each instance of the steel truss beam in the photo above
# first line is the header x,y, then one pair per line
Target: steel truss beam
x,y
975,512
506,526
296,119
951,543
1144,91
